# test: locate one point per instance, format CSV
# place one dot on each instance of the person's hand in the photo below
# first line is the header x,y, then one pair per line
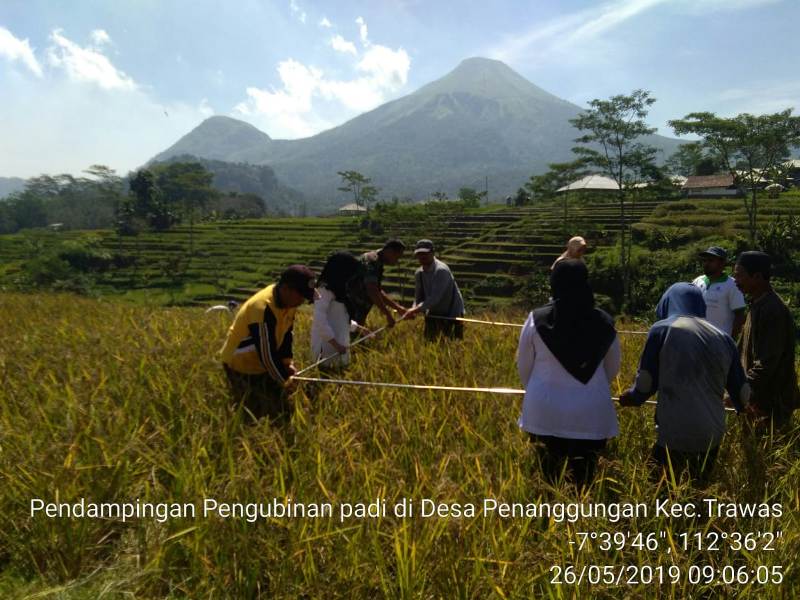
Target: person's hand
x,y
726,400
291,384
402,311
340,348
291,369
412,312
626,399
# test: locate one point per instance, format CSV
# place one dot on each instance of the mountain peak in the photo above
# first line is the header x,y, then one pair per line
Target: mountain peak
x,y
229,125
481,62
487,77
220,138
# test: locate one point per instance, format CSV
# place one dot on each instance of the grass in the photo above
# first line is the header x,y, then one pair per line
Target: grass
x,y
113,402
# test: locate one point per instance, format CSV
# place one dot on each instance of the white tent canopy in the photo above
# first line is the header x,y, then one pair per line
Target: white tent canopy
x,y
352,208
591,182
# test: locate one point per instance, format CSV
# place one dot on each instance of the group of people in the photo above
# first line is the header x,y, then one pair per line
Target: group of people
x,y
569,352
257,355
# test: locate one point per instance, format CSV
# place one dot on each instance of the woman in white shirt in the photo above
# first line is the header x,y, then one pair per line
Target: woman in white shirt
x,y
331,326
568,354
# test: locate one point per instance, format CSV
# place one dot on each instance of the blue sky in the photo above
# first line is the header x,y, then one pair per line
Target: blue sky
x,y
116,81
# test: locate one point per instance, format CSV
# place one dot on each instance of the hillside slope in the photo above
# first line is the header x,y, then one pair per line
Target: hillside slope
x,y
482,120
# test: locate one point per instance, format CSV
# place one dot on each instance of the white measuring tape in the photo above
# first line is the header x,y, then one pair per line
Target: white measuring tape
x,y
500,323
442,388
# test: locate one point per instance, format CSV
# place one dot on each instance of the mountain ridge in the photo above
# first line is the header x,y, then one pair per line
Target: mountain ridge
x,y
481,120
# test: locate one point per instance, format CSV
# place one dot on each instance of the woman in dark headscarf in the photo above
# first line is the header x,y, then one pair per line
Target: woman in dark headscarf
x,y
568,354
331,327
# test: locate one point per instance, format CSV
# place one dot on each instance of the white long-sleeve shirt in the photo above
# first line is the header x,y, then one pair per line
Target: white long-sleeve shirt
x,y
557,404
330,321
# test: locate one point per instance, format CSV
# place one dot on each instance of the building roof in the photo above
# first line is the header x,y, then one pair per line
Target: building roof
x,y
591,182
352,207
721,180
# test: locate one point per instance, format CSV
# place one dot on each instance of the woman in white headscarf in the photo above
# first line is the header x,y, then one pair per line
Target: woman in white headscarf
x,y
576,248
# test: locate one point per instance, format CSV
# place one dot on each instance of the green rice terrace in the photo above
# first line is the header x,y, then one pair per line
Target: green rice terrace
x,y
492,251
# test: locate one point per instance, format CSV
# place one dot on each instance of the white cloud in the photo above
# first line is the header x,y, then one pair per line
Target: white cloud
x,y
565,35
760,98
707,6
340,44
100,37
324,22
362,31
15,49
561,33
306,92
86,64
387,68
60,126
297,11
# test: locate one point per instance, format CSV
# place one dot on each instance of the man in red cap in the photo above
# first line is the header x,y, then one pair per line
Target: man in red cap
x,y
257,355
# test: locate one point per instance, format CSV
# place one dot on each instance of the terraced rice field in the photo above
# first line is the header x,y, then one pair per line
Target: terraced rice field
x,y
232,259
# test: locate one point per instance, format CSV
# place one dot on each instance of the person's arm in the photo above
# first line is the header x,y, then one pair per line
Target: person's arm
x,y
647,382
419,291
736,384
739,317
285,352
738,305
378,298
272,357
613,360
769,341
389,301
526,354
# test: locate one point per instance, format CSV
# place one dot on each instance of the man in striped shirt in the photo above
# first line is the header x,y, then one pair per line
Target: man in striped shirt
x,y
257,355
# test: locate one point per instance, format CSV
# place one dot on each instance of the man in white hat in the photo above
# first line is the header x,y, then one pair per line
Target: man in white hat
x,y
725,304
437,294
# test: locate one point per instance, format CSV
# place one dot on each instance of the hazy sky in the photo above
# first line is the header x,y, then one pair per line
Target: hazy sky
x,y
116,81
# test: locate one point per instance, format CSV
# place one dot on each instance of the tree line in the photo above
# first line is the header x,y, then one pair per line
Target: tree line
x,y
155,198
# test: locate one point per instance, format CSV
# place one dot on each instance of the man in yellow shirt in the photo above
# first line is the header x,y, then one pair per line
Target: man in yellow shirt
x,y
257,355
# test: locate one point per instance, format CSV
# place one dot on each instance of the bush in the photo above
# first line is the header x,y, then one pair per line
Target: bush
x,y
86,255
497,285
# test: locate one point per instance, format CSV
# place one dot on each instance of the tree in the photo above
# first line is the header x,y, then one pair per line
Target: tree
x,y
187,185
369,195
148,201
685,159
612,143
562,174
750,147
354,182
471,197
439,196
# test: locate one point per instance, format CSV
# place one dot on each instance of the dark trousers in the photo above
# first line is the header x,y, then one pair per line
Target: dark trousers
x,y
438,328
580,457
698,464
260,395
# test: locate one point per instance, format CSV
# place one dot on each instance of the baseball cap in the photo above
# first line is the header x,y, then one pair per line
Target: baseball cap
x,y
716,252
301,279
423,246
